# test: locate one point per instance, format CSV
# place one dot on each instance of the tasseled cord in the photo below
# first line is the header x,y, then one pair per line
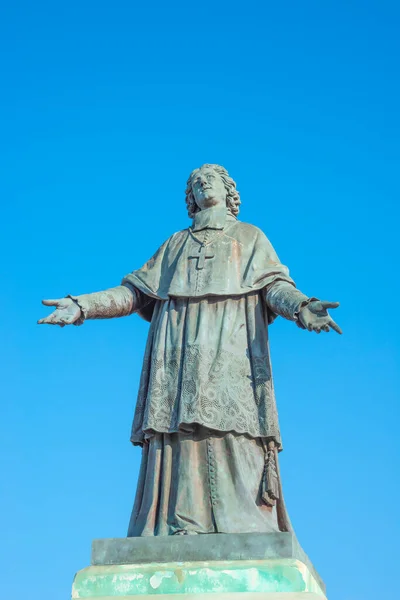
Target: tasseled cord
x,y
270,489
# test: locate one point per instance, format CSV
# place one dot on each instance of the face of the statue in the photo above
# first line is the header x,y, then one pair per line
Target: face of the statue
x,y
208,189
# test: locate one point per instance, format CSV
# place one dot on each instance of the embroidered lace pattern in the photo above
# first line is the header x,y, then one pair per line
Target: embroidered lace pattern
x,y
219,390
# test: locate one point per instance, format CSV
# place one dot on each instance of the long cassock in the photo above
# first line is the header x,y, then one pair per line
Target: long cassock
x,y
206,408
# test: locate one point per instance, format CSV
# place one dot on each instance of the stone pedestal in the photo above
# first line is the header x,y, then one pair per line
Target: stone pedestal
x,y
212,567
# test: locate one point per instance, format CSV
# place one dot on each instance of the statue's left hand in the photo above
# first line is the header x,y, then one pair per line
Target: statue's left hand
x,y
315,317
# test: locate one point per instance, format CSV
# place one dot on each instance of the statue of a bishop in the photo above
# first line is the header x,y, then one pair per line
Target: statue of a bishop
x,y
206,415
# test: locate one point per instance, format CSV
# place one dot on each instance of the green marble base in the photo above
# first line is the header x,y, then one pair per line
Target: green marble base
x,y
266,579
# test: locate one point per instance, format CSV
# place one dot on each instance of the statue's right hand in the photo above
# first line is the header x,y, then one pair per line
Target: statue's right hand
x,y
66,313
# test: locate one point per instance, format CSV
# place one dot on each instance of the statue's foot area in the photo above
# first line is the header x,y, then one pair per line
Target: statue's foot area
x,y
208,475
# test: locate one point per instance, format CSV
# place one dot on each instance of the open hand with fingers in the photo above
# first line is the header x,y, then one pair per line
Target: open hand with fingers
x,y
67,312
315,317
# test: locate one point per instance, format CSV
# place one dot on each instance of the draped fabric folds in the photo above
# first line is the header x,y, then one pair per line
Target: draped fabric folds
x,y
201,483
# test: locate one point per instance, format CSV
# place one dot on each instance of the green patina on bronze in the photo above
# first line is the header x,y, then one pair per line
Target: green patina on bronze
x,y
279,575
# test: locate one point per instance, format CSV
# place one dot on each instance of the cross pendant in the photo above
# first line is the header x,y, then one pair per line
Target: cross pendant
x,y
201,258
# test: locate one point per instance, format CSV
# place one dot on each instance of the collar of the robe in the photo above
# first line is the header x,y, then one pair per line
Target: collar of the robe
x,y
212,218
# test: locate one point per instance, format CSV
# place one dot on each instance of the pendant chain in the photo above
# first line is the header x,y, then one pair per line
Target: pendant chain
x,y
204,243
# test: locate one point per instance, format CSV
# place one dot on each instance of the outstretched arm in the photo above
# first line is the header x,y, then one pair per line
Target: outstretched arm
x,y
285,300
119,301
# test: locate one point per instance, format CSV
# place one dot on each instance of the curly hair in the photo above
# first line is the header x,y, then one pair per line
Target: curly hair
x,y
232,195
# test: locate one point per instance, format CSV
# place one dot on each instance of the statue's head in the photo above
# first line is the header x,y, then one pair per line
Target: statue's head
x,y
209,186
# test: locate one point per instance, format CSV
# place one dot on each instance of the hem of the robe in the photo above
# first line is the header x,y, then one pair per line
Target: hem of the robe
x,y
193,427
243,289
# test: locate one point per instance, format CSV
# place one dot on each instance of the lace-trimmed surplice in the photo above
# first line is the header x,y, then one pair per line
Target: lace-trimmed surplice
x,y
207,362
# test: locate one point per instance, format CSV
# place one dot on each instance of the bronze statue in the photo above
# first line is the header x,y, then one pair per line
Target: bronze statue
x,y
206,415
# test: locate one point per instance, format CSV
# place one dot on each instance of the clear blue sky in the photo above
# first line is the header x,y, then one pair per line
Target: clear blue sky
x,y
105,110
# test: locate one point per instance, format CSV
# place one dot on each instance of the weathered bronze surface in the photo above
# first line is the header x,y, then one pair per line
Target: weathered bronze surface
x,y
212,548
206,414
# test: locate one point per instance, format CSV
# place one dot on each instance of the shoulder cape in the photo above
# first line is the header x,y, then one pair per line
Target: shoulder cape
x,y
243,261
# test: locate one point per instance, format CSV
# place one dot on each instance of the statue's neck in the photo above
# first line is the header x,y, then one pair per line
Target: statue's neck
x,y
212,218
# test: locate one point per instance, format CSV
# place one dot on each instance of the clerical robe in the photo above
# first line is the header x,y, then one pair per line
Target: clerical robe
x,y
206,407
